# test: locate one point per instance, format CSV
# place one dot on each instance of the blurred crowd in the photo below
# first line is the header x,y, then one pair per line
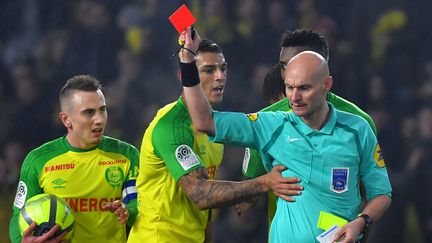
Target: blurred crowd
x,y
380,58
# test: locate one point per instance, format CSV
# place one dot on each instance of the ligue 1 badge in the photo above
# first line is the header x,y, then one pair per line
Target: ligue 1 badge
x,y
340,179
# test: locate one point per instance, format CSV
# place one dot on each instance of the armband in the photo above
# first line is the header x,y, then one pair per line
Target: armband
x,y
189,74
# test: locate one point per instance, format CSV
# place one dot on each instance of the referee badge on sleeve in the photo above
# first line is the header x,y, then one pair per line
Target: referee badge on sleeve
x,y
252,116
378,157
339,179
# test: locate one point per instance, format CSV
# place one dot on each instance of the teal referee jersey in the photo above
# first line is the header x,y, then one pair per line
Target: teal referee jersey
x,y
330,162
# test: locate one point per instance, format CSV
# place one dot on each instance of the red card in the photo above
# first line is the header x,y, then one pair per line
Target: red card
x,y
182,18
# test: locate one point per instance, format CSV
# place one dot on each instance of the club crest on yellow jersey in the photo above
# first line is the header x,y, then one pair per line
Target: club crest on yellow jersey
x,y
114,175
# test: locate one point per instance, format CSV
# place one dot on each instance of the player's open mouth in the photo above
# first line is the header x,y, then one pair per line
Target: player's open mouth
x,y
97,131
219,90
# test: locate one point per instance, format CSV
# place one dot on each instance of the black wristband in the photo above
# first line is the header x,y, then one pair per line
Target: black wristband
x,y
189,74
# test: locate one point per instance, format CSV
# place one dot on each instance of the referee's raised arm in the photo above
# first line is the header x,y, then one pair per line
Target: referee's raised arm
x,y
193,94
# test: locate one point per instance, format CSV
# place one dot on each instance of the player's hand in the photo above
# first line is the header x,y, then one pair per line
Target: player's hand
x,y
283,187
242,207
28,236
119,210
186,54
349,232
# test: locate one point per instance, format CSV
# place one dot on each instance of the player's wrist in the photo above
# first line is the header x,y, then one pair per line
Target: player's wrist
x,y
186,56
265,183
189,74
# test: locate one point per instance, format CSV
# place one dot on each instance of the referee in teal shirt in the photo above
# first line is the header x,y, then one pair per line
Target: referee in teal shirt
x,y
329,150
330,163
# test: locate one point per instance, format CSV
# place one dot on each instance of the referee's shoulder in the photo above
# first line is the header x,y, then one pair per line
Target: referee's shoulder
x,y
350,119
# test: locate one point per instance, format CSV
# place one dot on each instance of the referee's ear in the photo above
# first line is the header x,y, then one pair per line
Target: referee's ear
x,y
328,83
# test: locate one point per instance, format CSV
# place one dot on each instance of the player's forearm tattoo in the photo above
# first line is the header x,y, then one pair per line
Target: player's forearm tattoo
x,y
209,194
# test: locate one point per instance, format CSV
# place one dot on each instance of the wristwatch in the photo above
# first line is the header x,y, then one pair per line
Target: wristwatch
x,y
368,221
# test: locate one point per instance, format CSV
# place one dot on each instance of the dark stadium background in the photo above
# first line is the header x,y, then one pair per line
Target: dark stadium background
x,y
380,58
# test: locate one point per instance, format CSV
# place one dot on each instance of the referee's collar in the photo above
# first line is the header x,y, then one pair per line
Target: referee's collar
x,y
328,127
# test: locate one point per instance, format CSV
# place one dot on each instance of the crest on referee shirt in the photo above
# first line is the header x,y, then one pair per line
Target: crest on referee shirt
x,y
339,179
186,157
378,157
114,175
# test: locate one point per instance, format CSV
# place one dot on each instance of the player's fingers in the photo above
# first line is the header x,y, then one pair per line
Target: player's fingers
x,y
288,186
197,36
286,193
59,238
121,211
122,218
280,168
291,180
187,35
48,235
30,229
113,206
109,206
285,197
118,211
289,192
339,235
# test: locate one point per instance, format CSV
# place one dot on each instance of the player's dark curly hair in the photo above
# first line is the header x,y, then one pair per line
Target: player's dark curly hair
x,y
207,45
306,38
273,87
79,83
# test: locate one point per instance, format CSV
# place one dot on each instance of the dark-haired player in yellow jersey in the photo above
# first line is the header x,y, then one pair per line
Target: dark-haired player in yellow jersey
x,y
94,173
178,165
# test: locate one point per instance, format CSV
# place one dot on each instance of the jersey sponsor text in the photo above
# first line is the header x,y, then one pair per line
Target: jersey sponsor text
x,y
68,166
89,204
112,162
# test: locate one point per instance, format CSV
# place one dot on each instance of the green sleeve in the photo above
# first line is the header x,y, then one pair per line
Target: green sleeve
x,y
173,142
252,165
133,155
132,175
281,105
14,232
252,161
133,211
28,186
